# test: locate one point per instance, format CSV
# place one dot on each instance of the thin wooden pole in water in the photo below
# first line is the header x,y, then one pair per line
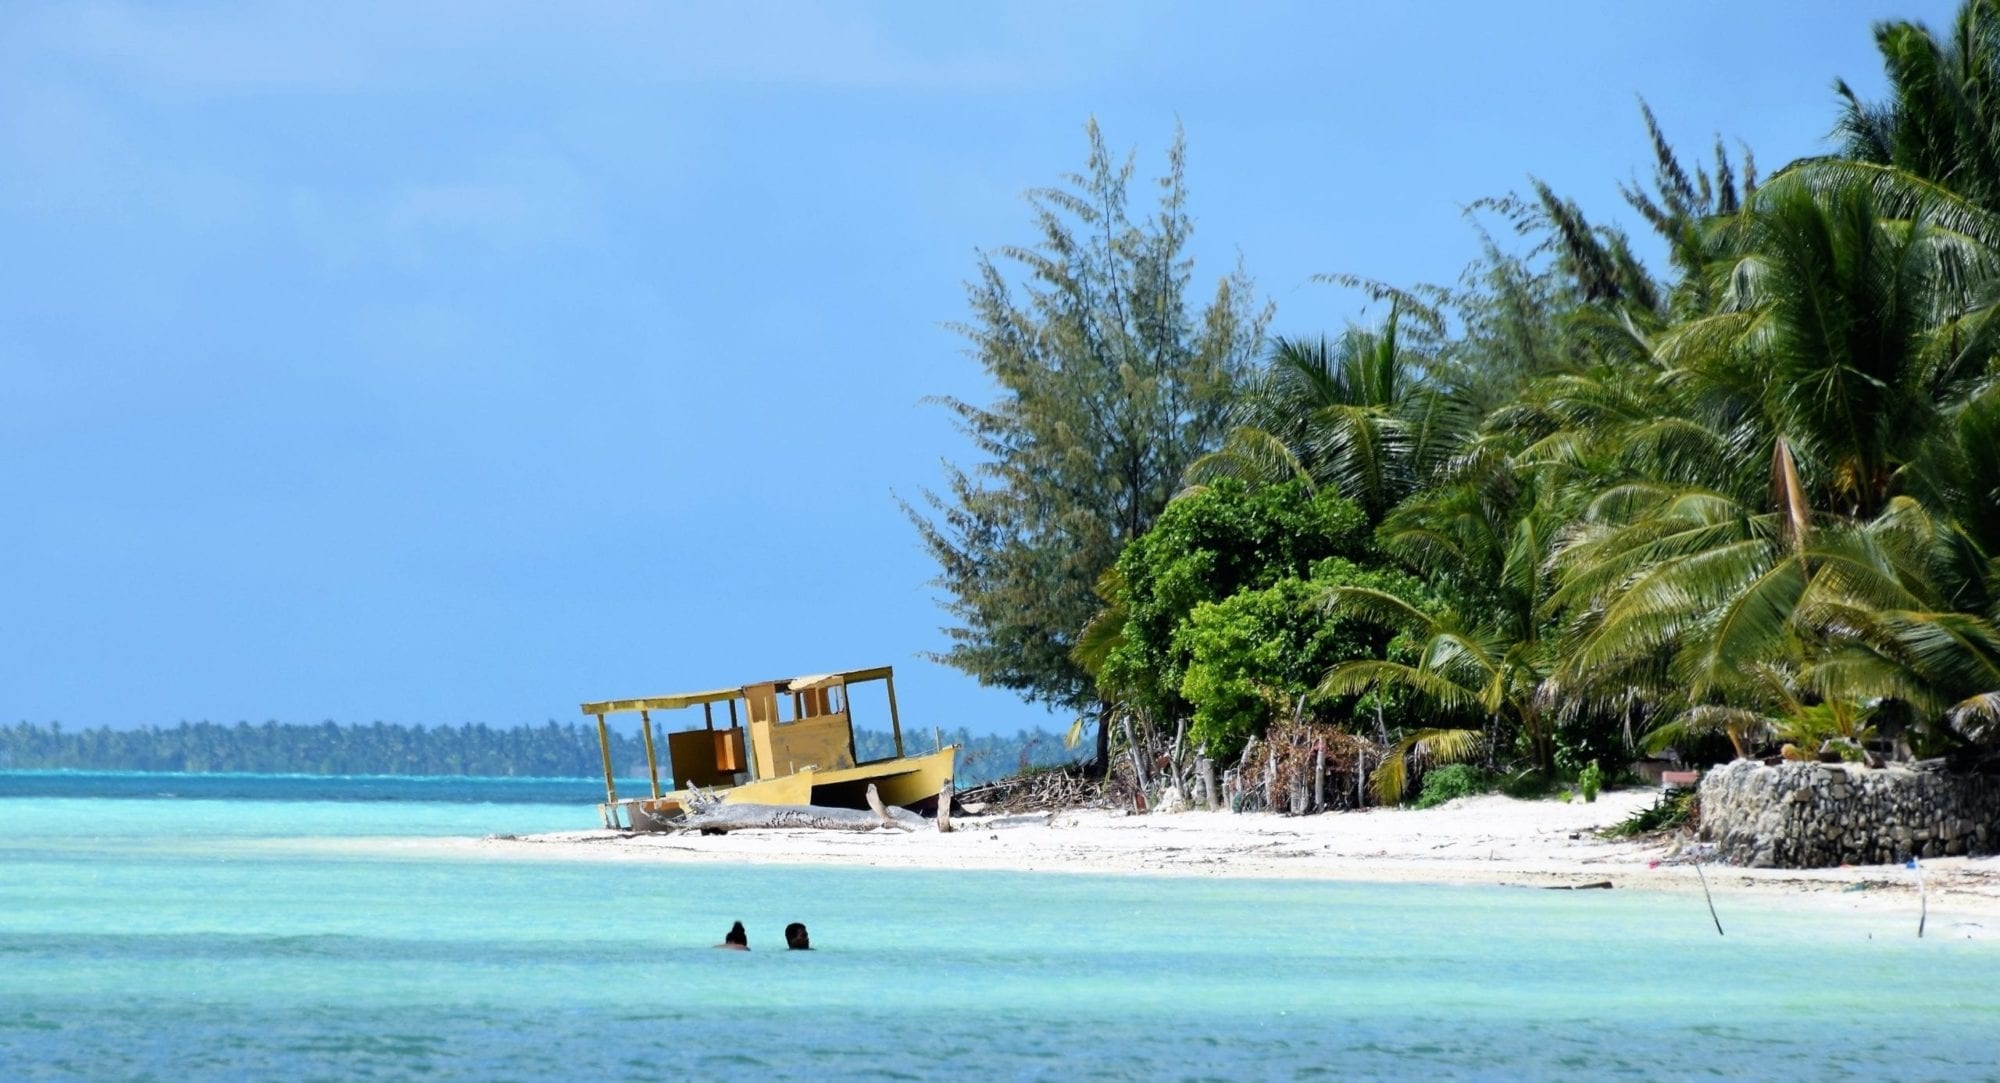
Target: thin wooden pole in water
x,y
1923,898
1710,898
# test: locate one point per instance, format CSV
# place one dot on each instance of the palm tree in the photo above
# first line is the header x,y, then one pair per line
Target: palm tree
x,y
1462,668
1359,413
1941,121
1843,370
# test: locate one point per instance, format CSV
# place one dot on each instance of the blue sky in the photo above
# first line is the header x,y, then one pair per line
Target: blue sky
x,y
462,362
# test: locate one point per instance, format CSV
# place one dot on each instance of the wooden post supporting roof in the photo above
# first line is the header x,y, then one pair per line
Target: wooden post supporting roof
x,y
604,746
652,763
895,723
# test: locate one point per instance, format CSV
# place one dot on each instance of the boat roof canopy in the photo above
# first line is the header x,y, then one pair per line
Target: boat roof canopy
x,y
663,703
719,695
821,680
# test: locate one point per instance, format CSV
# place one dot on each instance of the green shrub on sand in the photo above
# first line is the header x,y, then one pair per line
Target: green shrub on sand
x,y
1452,781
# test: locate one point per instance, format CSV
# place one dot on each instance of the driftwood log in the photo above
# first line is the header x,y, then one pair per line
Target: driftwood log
x,y
725,818
894,816
709,815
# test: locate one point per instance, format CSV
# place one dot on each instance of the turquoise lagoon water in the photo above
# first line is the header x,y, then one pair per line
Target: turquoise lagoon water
x,y
191,937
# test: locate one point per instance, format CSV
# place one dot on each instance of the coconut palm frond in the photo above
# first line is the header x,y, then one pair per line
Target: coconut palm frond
x,y
1377,606
1248,454
1352,678
1976,717
1897,193
1744,728
1422,749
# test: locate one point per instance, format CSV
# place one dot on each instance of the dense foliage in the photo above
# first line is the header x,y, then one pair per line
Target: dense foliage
x,y
1451,782
1207,546
1748,500
1766,508
1110,383
1259,655
548,751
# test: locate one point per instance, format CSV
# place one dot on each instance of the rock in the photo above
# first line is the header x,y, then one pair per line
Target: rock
x,y
1804,815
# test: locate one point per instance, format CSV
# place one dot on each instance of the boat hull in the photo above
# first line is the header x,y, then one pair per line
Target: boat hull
x,y
909,781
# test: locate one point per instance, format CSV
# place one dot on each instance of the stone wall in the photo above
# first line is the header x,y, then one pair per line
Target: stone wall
x,y
1814,815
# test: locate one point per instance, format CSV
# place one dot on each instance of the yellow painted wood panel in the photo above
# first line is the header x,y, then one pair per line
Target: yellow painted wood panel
x,y
825,743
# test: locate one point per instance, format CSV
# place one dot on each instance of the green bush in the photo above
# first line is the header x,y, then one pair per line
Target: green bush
x,y
1590,781
1590,736
1252,655
1204,548
1450,782
1673,809
1528,785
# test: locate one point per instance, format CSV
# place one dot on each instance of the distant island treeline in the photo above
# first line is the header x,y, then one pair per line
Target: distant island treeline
x,y
552,750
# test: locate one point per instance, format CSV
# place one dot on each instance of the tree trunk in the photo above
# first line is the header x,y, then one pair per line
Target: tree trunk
x,y
1100,767
1271,780
1319,775
1139,777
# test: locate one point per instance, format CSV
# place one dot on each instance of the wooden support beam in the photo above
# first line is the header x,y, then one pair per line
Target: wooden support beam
x,y
604,746
652,761
895,723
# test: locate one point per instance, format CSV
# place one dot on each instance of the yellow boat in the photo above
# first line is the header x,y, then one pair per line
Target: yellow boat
x,y
769,755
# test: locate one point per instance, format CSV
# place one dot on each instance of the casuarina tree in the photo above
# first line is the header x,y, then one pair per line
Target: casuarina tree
x,y
1110,380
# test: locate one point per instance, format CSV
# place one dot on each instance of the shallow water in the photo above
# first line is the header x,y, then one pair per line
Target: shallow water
x,y
177,938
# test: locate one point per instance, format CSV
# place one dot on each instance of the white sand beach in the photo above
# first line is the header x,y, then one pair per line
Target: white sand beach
x,y
1476,840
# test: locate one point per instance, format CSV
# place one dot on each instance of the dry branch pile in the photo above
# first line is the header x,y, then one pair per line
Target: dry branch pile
x,y
1066,787
1302,767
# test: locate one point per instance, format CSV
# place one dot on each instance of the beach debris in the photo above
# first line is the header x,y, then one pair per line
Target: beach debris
x,y
891,815
1064,787
1688,853
1024,819
1300,767
943,817
1596,885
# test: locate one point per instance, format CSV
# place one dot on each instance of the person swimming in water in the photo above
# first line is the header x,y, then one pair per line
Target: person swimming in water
x,y
795,937
735,939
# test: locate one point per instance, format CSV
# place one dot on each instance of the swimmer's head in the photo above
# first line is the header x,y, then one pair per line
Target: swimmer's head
x,y
795,937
